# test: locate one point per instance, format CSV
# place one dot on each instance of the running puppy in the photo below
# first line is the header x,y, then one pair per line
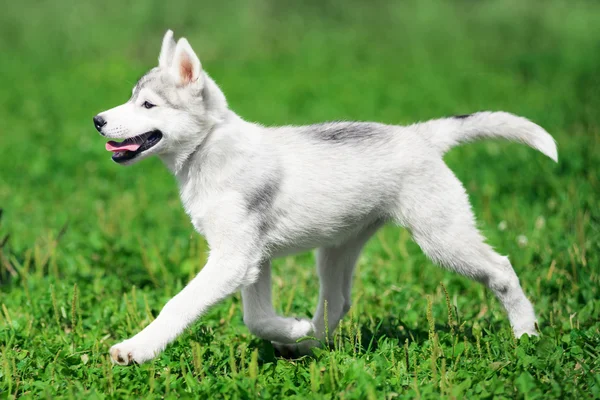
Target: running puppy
x,y
257,193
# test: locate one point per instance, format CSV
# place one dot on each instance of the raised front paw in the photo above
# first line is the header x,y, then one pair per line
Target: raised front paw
x,y
131,351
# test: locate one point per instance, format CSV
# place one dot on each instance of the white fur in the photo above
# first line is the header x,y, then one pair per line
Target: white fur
x,y
167,50
256,193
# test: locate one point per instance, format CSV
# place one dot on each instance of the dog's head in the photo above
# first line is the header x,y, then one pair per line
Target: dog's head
x,y
171,110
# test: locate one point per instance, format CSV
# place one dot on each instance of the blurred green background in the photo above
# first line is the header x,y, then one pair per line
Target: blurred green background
x,y
84,231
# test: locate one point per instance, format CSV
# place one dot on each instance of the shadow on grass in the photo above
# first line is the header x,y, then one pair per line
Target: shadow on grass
x,y
390,327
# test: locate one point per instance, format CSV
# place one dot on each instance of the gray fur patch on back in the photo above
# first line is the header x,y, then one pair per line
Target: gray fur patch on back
x,y
347,131
463,116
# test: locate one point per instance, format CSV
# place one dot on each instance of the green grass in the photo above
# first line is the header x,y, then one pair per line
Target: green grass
x,y
93,250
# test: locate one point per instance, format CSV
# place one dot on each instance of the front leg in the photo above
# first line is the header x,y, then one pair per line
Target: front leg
x,y
227,270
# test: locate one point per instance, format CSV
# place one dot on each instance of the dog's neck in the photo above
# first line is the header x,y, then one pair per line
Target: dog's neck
x,y
228,140
215,115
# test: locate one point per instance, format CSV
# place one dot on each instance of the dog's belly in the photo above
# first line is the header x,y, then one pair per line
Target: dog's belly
x,y
290,251
311,239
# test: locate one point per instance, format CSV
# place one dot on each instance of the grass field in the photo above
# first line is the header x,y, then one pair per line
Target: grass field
x,y
91,251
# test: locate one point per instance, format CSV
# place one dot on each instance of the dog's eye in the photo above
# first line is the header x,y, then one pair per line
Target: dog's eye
x,y
148,105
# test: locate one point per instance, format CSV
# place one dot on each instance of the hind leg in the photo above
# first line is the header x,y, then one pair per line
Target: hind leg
x,y
437,211
335,267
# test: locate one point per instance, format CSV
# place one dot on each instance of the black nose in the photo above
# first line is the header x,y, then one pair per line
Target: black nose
x,y
99,122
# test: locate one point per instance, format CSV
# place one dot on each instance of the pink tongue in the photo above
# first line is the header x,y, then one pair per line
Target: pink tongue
x,y
115,146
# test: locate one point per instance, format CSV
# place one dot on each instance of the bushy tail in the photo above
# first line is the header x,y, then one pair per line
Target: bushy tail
x,y
446,133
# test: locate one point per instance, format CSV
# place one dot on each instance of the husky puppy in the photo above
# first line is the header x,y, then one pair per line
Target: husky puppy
x,y
260,192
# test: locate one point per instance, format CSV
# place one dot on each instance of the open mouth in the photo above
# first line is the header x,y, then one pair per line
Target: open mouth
x,y
130,148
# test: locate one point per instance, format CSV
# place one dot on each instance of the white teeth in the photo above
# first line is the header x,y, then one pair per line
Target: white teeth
x,y
136,139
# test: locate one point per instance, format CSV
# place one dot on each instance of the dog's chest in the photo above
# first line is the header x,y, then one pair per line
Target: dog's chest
x,y
195,204
197,211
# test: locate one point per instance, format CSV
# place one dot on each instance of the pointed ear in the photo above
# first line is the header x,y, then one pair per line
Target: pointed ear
x,y
167,50
186,66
